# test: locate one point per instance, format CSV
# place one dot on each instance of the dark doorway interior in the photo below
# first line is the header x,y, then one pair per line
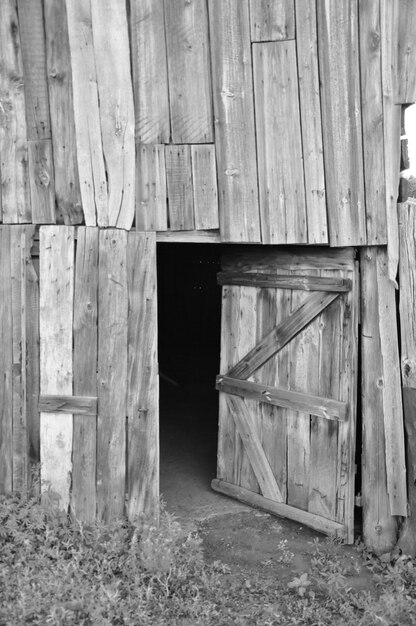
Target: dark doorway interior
x,y
189,314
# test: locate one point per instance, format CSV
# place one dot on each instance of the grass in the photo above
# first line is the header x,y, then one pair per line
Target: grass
x,y
54,570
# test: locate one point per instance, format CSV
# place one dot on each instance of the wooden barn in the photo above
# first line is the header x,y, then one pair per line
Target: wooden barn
x,y
145,142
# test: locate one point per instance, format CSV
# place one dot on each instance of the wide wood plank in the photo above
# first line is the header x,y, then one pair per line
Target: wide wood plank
x,y
149,64
311,121
41,177
297,258
179,186
406,53
281,334
82,405
190,97
14,188
143,379
90,158
6,363
151,193
204,183
288,281
341,121
56,321
58,64
316,405
373,121
234,115
112,374
272,21
115,91
281,188
253,448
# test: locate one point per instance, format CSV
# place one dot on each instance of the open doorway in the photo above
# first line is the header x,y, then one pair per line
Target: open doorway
x,y
189,320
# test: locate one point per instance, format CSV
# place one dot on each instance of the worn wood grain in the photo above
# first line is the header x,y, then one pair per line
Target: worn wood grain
x,y
311,121
58,66
407,539
406,53
6,363
41,177
14,179
179,188
189,69
56,374
143,379
151,193
82,405
204,184
90,158
189,236
115,92
32,359
372,121
288,281
112,374
341,121
272,21
149,64
234,120
281,188
407,277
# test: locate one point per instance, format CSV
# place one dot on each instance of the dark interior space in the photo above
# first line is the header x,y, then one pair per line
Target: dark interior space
x,y
189,314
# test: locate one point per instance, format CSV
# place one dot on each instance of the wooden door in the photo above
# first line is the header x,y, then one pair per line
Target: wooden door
x,y
98,370
288,384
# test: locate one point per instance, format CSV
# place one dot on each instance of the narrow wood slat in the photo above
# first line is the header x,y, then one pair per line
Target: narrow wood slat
x,y
316,522
56,322
31,297
83,497
373,121
341,121
407,538
204,183
90,158
189,236
406,53
14,188
32,41
42,190
143,380
281,187
234,114
272,21
190,96
311,121
81,405
149,64
115,91
407,276
253,448
58,64
305,402
179,186
289,281
281,335
6,363
151,193
112,374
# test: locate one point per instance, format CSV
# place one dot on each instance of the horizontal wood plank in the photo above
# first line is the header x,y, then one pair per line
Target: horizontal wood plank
x,y
278,508
294,400
286,258
306,283
81,405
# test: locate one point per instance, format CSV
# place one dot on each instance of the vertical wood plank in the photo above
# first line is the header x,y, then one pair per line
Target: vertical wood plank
x,y
112,374
372,120
14,179
311,121
272,21
56,246
204,182
179,187
234,120
406,54
115,89
90,159
341,121
143,379
281,183
151,193
58,65
41,177
189,71
6,358
32,360
83,497
407,230
149,62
